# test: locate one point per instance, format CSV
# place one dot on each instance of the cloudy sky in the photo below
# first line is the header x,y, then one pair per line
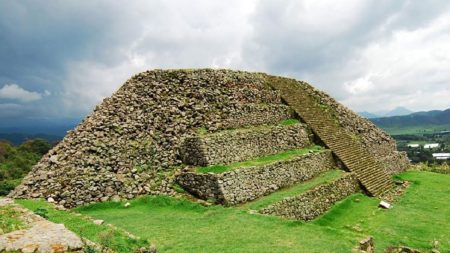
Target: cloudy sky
x,y
60,58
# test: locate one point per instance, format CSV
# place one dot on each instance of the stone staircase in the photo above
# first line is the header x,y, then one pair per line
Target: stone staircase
x,y
352,154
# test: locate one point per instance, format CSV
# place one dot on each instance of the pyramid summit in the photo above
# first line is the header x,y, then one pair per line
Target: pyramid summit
x,y
163,124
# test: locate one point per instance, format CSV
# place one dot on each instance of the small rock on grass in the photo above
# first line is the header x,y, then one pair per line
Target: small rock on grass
x,y
98,222
384,204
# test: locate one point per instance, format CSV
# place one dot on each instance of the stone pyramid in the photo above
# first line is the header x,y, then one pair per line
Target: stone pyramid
x,y
145,137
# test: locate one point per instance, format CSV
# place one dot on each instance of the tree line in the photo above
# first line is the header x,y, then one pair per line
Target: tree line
x,y
17,161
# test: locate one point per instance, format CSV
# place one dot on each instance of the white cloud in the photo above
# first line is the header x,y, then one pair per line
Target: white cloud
x,y
372,55
197,35
412,66
360,85
15,92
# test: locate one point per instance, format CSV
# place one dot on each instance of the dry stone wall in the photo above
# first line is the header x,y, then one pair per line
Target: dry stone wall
x,y
316,201
378,143
245,184
253,115
243,144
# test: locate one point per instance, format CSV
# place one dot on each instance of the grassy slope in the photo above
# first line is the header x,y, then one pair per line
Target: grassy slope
x,y
419,217
260,160
182,226
293,191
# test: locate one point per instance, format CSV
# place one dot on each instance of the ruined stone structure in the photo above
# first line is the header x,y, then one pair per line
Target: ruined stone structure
x,y
234,146
162,124
248,183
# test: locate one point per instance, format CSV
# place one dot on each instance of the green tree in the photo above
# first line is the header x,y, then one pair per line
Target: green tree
x,y
16,162
37,146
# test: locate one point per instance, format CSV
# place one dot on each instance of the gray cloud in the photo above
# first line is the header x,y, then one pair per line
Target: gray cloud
x,y
371,55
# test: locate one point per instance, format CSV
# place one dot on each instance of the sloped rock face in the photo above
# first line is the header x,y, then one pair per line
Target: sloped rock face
x,y
129,145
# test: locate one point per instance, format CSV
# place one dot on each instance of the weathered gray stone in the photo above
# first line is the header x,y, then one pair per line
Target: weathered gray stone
x,y
367,245
248,183
316,201
243,144
98,222
43,237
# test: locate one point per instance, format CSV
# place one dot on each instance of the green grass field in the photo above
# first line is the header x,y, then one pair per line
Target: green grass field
x,y
418,218
416,129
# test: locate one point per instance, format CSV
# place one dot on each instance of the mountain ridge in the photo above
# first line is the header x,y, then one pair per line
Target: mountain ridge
x,y
434,117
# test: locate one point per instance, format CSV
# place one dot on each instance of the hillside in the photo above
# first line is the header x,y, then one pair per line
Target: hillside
x,y
398,111
416,119
18,138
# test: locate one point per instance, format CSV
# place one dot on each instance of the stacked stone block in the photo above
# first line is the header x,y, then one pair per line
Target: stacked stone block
x,y
243,144
316,201
248,183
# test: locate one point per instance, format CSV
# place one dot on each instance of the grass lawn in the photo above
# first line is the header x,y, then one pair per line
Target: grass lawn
x,y
289,154
181,226
177,225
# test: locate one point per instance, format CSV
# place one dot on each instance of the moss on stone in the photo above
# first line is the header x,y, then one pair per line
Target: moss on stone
x,y
288,122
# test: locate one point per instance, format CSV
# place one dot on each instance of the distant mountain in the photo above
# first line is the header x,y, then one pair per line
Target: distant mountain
x,y
398,111
19,138
368,115
415,119
18,130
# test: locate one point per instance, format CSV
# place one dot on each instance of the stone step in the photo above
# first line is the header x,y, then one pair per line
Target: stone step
x,y
352,154
293,190
243,144
316,201
244,184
